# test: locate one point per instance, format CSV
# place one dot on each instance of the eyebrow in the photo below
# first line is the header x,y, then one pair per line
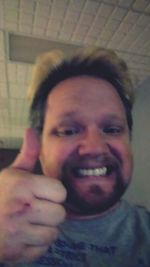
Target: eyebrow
x,y
107,117
114,117
68,115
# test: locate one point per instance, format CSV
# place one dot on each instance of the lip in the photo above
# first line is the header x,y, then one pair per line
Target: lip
x,y
110,171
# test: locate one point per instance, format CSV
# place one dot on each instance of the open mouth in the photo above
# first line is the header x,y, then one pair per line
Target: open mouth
x,y
98,171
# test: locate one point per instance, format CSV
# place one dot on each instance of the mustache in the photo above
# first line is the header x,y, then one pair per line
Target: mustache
x,y
91,160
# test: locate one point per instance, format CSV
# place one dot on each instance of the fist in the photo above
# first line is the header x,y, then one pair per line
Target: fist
x,y
31,206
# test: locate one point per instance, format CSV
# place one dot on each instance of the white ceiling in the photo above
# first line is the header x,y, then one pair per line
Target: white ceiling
x,y
123,25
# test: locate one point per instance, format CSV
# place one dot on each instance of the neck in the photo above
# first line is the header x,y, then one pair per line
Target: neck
x,y
72,214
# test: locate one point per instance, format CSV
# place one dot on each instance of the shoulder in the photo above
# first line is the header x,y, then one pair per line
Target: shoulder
x,y
139,216
139,211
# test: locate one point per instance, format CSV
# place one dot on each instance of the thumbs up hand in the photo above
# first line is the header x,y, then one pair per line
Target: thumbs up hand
x,y
30,206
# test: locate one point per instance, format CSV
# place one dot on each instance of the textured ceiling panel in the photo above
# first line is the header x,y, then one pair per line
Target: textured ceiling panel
x,y
65,24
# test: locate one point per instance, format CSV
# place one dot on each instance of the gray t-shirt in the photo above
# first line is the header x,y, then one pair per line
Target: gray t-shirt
x,y
120,238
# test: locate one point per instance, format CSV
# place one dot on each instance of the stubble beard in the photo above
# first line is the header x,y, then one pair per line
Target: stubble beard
x,y
99,201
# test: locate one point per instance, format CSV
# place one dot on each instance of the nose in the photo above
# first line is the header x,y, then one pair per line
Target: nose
x,y
94,142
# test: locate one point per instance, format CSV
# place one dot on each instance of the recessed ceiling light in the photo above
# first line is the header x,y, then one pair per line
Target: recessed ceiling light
x,y
25,49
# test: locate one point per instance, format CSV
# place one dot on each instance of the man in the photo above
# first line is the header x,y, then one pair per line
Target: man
x,y
73,214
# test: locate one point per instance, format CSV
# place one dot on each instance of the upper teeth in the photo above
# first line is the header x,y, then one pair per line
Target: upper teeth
x,y
93,172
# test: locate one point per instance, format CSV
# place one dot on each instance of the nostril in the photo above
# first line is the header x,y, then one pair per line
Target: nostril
x,y
93,144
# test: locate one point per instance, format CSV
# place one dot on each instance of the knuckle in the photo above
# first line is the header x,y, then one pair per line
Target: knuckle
x,y
54,234
62,213
62,192
49,235
33,253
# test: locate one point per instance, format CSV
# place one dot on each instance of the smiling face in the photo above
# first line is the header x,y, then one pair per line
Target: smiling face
x,y
85,143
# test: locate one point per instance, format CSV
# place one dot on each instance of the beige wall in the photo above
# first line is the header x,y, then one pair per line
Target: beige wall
x,y
139,191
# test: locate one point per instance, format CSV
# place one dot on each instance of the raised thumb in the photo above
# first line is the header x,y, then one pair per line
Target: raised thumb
x,y
29,153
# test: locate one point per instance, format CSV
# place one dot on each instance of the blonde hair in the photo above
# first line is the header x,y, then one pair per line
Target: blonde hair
x,y
44,64
49,61
53,67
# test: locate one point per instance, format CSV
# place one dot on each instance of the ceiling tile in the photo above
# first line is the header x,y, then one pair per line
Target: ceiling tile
x,y
106,35
90,39
2,72
57,14
65,35
45,2
38,31
115,2
77,5
112,25
106,10
28,74
3,90
5,131
83,30
4,103
17,90
11,14
140,5
91,7
116,40
17,131
136,32
147,9
1,18
40,22
126,3
131,17
11,26
102,43
2,47
27,6
60,4
12,72
125,27
26,18
18,104
11,4
25,29
95,32
42,10
54,25
144,20
78,38
118,13
52,33
86,19
99,22
4,118
68,27
1,4
21,73
72,16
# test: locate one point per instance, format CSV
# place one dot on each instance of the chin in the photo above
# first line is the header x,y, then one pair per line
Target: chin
x,y
95,202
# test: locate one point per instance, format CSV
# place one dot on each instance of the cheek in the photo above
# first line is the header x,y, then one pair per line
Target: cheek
x,y
127,160
129,163
53,156
123,151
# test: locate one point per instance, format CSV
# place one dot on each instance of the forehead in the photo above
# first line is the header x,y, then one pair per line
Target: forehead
x,y
84,93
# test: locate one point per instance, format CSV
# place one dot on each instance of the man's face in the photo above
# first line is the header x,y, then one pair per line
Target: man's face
x,y
85,143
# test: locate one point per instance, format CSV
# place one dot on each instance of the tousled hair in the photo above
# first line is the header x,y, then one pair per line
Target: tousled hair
x,y
52,68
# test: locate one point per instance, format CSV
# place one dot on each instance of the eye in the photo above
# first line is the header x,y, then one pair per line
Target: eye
x,y
67,131
113,130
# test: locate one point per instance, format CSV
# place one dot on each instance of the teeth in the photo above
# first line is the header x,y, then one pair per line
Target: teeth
x,y
93,172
